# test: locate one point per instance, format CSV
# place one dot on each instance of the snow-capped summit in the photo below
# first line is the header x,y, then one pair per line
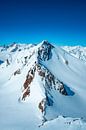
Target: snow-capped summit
x,y
43,82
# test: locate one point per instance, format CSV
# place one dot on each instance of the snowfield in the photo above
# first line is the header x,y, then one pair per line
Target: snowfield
x,y
42,87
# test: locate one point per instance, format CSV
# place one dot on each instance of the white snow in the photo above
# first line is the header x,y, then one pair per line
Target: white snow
x,y
66,112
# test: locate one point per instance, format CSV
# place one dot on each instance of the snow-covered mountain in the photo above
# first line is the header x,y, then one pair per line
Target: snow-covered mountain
x,y
77,51
42,86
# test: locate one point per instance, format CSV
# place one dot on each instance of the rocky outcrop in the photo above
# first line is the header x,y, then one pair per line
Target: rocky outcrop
x,y
45,51
62,89
7,62
50,81
26,85
42,105
26,93
66,62
17,72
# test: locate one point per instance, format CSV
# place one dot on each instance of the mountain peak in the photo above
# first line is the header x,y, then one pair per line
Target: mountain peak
x,y
45,50
46,43
42,82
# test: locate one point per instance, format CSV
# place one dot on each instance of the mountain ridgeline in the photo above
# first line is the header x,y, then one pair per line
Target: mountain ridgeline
x,y
46,76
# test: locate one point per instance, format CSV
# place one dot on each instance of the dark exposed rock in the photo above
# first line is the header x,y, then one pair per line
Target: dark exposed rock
x,y
8,63
62,90
15,49
42,105
45,51
26,93
17,72
29,79
50,80
66,62
26,59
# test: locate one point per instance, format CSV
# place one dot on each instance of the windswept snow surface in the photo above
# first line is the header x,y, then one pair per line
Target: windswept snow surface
x,y
67,112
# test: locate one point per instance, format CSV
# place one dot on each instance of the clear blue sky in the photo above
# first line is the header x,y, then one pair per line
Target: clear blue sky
x,y
59,21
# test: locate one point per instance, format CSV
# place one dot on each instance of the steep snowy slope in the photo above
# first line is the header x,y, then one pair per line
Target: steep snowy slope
x,y
41,87
77,51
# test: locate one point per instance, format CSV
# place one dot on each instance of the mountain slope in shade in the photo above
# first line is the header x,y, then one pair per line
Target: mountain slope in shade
x,y
41,87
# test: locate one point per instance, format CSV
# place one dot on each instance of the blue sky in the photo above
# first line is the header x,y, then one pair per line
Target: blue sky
x,y
58,21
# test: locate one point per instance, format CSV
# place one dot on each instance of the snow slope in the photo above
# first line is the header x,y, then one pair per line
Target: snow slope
x,y
77,51
42,87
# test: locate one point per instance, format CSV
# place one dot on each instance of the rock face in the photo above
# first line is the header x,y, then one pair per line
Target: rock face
x,y
26,85
49,80
45,51
8,63
17,72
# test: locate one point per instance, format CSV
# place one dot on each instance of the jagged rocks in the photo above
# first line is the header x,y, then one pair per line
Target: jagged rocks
x,y
46,74
8,63
45,51
17,72
26,85
26,93
41,72
42,105
66,62
62,90
26,59
50,81
15,49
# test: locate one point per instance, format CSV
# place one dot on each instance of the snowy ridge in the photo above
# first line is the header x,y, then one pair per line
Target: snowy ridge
x,y
77,51
43,82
